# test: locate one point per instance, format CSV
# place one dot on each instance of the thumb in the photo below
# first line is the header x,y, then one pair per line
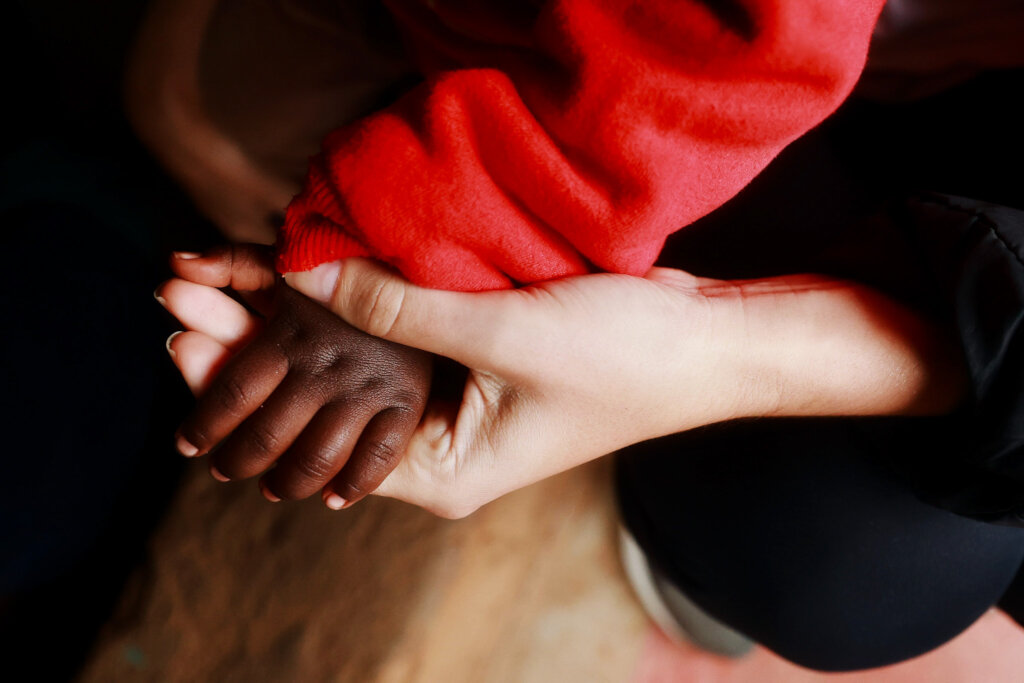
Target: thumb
x,y
462,326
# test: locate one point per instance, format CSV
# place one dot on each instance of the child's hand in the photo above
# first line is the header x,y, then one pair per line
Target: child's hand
x,y
333,407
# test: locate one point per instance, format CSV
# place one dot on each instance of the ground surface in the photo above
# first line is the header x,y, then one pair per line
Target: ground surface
x,y
528,589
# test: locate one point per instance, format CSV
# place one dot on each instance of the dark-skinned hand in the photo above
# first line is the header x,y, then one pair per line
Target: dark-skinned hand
x,y
329,408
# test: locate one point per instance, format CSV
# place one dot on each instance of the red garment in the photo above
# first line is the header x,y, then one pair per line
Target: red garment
x,y
553,138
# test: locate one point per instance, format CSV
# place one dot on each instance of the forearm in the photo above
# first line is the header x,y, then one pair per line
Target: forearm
x,y
815,346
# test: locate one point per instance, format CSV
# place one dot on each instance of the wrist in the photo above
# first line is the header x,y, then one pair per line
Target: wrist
x,y
815,346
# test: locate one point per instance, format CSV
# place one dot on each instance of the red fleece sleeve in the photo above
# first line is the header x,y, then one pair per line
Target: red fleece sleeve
x,y
573,136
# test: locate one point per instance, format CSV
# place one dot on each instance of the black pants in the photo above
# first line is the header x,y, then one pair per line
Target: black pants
x,y
798,535
807,535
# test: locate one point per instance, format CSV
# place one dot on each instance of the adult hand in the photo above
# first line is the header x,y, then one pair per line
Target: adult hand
x,y
522,416
566,371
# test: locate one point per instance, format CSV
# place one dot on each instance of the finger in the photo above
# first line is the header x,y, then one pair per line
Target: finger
x,y
467,327
241,387
208,310
242,267
378,452
268,432
416,479
198,358
319,453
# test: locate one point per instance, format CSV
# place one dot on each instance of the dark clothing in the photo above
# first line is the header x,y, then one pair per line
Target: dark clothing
x,y
795,534
834,541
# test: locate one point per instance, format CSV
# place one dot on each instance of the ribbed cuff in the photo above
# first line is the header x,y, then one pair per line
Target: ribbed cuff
x,y
314,230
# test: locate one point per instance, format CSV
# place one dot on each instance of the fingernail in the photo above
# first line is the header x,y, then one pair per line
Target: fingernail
x,y
334,501
319,283
186,255
160,299
216,474
168,343
185,448
267,494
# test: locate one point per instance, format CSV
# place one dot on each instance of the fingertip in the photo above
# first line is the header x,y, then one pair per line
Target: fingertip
x,y
167,344
185,447
197,357
160,293
267,493
218,475
181,259
319,283
211,267
204,308
334,501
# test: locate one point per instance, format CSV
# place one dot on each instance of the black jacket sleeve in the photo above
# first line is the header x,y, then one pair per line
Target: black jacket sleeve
x,y
970,262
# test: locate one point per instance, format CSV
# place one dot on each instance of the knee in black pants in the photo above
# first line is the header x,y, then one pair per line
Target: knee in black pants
x,y
786,531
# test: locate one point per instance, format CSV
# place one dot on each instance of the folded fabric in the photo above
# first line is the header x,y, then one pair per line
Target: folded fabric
x,y
557,138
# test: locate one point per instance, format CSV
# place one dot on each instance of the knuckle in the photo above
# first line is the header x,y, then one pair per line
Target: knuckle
x,y
262,441
372,388
380,455
381,308
230,394
314,467
407,405
376,461
328,362
354,489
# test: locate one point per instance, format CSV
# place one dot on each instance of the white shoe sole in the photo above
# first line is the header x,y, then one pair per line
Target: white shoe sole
x,y
678,617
